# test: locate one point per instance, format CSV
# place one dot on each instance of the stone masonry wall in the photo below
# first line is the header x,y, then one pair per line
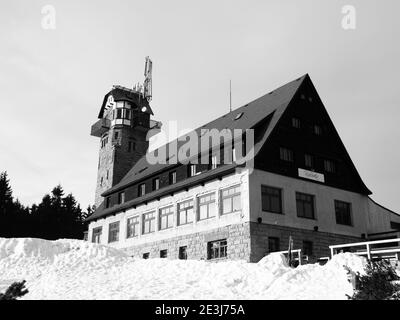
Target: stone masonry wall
x,y
237,236
321,240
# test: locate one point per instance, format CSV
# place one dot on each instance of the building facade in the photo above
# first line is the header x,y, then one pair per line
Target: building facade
x,y
300,183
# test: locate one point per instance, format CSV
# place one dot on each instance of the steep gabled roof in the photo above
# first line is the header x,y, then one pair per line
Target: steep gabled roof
x,y
273,103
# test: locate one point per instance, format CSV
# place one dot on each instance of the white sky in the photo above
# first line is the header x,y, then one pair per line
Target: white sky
x,y
52,82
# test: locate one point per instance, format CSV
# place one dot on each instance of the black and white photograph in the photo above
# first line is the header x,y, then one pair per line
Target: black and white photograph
x,y
199,154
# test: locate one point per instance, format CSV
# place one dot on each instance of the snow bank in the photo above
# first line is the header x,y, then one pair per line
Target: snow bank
x,y
73,269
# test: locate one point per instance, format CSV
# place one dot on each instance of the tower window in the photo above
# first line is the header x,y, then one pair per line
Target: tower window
x,y
119,113
131,146
107,174
116,135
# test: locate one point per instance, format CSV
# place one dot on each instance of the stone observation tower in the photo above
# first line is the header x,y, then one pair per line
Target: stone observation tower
x,y
123,127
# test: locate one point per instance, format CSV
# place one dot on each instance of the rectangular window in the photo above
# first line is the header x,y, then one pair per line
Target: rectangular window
x,y
131,146
146,255
127,114
116,134
207,207
149,222
273,244
164,253
113,232
307,248
317,130
108,202
271,199
142,189
217,249
172,177
329,166
183,253
305,205
121,197
192,170
343,212
286,154
156,184
119,113
213,163
230,198
166,218
296,123
132,227
96,235
309,161
185,212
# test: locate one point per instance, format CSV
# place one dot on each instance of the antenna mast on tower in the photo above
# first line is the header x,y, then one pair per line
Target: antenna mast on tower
x,y
147,85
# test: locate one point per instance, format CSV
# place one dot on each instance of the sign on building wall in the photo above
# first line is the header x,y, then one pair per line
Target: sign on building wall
x,y
311,175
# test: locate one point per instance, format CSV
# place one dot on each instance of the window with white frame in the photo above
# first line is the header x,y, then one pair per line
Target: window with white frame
x,y
132,227
166,218
185,212
192,170
113,232
156,184
230,198
207,206
96,235
149,222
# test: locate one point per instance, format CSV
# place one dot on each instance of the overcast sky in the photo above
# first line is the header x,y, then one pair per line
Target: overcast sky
x,y
52,82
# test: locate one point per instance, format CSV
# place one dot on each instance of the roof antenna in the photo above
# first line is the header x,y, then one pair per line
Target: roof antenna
x,y
230,96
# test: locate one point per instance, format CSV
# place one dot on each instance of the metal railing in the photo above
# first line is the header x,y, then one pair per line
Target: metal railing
x,y
369,251
299,258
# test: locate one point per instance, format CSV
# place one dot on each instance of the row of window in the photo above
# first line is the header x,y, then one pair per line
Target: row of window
x,y
206,209
192,171
287,155
215,250
219,249
271,201
316,129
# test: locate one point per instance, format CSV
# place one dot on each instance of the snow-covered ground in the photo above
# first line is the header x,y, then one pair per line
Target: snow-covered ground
x,y
73,269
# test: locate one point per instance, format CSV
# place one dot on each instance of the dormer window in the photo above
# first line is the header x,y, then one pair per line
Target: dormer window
x,y
156,184
308,160
172,177
192,170
142,190
121,197
239,115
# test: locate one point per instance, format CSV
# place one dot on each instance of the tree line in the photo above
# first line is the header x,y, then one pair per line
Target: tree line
x,y
57,216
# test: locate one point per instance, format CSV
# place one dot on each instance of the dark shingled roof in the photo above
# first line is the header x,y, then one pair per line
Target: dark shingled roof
x,y
124,94
272,104
253,112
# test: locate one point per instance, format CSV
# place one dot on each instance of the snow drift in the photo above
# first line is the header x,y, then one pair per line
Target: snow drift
x,y
74,269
